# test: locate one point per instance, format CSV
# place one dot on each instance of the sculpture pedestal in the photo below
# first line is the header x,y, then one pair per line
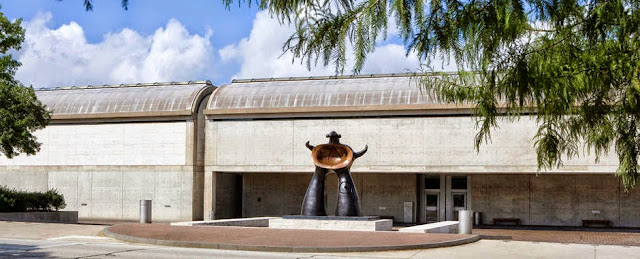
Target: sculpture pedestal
x,y
366,223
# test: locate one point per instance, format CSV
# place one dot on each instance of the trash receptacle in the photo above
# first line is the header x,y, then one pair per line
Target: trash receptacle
x,y
477,218
145,211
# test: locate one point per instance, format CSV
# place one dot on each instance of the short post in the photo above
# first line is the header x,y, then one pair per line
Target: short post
x,y
145,211
465,221
477,218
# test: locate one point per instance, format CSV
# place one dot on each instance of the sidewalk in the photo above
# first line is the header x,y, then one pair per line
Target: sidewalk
x,y
42,231
564,236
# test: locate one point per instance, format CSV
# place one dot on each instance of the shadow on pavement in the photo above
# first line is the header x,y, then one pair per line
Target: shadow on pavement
x,y
21,251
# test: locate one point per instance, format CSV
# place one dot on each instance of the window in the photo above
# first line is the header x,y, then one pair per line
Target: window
x,y
432,183
459,200
432,200
459,183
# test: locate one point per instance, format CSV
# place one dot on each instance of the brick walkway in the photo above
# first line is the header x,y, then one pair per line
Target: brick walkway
x,y
558,236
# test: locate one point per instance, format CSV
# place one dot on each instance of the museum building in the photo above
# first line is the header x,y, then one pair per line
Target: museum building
x,y
201,152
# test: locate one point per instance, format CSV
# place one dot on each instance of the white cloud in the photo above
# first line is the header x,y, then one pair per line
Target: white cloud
x,y
261,55
63,57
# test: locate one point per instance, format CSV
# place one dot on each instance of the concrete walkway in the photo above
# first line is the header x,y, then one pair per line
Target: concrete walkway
x,y
609,237
281,240
41,231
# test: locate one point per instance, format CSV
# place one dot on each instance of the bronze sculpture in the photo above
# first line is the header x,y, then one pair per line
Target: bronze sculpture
x,y
338,158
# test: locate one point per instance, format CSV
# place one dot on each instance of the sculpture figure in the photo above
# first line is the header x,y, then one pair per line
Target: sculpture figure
x,y
338,158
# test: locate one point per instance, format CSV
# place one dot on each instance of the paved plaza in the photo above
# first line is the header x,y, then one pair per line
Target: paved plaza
x,y
19,239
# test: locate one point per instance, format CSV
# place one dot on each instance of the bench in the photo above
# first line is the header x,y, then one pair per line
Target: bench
x,y
438,227
601,222
515,221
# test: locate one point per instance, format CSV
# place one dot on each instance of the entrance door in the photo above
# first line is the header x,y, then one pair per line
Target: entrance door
x,y
432,209
443,197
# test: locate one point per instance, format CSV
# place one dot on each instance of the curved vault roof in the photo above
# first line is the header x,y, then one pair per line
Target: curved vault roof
x,y
369,95
118,101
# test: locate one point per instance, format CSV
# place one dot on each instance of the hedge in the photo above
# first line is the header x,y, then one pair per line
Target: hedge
x,y
20,201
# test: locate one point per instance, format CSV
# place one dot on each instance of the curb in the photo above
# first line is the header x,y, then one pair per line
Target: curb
x,y
301,249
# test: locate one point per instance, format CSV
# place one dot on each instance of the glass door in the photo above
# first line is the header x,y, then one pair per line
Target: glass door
x,y
457,195
443,196
459,203
432,208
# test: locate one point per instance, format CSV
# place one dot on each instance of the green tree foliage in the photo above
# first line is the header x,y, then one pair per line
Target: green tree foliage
x,y
88,4
20,111
574,65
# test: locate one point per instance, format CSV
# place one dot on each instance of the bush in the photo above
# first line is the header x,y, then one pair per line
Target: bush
x,y
20,201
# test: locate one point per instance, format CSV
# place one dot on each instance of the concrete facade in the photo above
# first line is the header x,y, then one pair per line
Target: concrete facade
x,y
555,199
106,158
257,130
396,145
103,170
201,152
268,194
386,176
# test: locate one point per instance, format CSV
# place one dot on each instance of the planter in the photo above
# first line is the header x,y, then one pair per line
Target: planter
x,y
41,216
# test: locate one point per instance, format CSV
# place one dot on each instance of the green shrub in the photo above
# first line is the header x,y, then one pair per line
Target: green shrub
x,y
20,201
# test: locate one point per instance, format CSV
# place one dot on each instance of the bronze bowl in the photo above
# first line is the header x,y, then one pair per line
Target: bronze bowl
x,y
332,156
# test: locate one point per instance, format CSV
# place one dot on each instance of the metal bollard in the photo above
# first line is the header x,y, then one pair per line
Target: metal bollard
x,y
145,211
465,221
477,218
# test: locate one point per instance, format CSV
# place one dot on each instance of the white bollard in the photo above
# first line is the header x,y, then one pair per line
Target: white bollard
x,y
145,211
465,221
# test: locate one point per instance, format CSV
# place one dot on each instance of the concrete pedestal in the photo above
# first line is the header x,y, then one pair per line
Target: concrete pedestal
x,y
331,224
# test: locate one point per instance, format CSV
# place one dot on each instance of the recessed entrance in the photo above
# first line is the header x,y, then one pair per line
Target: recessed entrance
x,y
443,196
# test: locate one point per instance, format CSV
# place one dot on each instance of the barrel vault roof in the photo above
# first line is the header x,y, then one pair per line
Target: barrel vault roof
x,y
326,96
135,100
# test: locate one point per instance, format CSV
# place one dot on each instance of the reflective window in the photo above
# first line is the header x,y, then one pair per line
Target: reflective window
x,y
459,183
459,200
432,182
432,200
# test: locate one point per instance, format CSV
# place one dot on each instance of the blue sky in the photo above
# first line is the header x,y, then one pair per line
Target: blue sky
x,y
163,40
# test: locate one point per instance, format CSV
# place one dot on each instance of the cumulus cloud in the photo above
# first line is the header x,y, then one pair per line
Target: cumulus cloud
x,y
63,57
260,55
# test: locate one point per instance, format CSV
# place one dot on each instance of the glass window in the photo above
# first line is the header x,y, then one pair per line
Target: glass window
x,y
459,200
459,183
432,200
432,183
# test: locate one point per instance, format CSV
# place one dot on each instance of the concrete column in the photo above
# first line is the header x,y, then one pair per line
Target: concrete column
x,y
209,206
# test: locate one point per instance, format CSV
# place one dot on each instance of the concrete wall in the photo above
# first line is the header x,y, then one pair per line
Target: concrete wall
x,y
555,199
157,143
269,194
104,169
266,194
396,145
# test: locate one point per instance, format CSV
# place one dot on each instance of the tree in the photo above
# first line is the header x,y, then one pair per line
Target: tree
x,y
20,111
88,4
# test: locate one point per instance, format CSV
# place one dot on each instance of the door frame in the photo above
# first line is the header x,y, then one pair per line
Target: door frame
x,y
445,196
